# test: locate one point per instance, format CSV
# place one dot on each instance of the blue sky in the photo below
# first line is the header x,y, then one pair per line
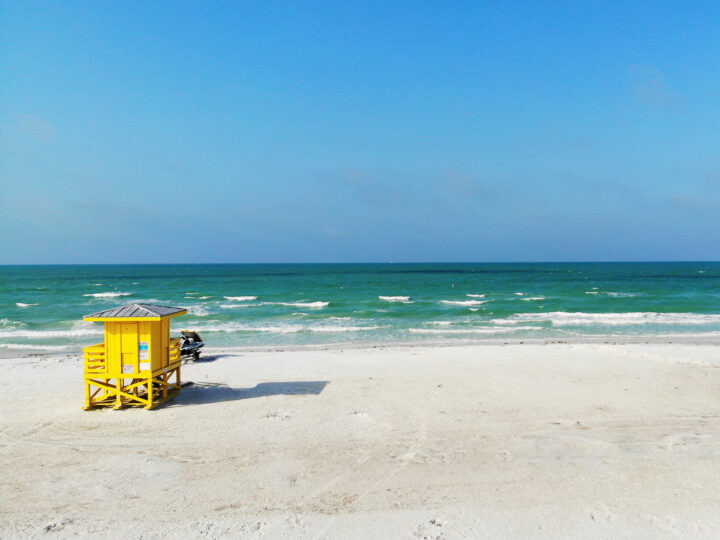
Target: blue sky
x,y
359,131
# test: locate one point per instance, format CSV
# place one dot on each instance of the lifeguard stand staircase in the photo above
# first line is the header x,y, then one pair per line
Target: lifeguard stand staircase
x,y
134,364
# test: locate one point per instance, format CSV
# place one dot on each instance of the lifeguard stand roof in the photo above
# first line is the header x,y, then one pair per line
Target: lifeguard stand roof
x,y
148,312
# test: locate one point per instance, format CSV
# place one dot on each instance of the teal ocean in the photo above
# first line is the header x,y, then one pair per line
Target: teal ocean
x,y
41,307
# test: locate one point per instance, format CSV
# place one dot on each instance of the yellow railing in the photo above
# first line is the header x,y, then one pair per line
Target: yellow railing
x,y
95,358
174,350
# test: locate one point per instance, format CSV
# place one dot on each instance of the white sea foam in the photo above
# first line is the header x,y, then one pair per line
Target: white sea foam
x,y
47,334
7,323
505,322
286,328
400,299
464,302
613,294
108,294
475,295
534,298
236,306
20,346
203,297
197,310
519,294
240,298
440,323
20,304
562,318
471,330
312,305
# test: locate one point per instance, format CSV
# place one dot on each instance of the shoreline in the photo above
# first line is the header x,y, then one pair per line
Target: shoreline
x,y
647,339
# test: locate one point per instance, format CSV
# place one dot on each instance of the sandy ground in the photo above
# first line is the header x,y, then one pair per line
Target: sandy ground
x,y
519,441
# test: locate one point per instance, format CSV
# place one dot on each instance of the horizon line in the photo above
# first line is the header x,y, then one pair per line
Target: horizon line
x,y
649,261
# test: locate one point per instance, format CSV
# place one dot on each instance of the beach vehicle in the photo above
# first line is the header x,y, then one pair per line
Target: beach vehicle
x,y
191,344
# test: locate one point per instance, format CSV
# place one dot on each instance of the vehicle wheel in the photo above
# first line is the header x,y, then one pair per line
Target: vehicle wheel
x,y
196,356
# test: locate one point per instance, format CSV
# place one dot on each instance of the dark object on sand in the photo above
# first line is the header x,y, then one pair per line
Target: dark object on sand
x,y
191,344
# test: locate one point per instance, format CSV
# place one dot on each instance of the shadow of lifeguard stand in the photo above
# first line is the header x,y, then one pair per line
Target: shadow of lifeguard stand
x,y
134,364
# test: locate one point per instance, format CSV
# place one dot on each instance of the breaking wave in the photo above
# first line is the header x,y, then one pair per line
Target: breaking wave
x,y
108,294
464,302
472,330
401,299
240,298
312,305
197,310
563,318
613,294
48,334
7,323
285,328
20,346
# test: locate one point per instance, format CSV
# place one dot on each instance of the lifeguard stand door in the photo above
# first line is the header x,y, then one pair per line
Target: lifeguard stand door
x,y
129,347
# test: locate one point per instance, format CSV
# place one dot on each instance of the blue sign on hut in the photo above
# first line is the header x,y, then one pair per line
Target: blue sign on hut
x,y
134,364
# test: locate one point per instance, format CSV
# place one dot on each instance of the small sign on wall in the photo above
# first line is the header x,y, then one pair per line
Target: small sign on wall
x,y
144,350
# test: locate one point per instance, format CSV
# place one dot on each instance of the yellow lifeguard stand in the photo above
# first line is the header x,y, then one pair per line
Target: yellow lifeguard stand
x,y
134,364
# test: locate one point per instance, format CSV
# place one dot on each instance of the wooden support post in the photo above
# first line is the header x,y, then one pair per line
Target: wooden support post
x,y
118,396
150,394
87,395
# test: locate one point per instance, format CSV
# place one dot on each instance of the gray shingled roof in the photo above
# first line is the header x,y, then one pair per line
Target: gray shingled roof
x,y
136,310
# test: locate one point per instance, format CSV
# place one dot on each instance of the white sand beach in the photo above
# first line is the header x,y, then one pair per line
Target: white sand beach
x,y
516,441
